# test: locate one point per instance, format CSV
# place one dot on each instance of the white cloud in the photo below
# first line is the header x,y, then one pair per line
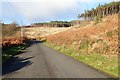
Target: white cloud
x,y
42,8
32,9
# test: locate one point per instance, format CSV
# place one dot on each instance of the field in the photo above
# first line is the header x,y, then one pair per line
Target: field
x,y
94,44
36,32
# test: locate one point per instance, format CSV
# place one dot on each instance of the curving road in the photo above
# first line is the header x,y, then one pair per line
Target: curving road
x,y
40,61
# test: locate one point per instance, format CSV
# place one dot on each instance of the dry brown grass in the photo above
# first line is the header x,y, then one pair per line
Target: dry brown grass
x,y
102,37
12,41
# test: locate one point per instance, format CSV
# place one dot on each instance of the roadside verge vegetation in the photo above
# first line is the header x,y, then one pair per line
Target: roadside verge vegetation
x,y
107,65
12,46
11,41
95,45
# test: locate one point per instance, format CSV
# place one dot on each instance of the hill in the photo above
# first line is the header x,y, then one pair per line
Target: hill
x,y
94,44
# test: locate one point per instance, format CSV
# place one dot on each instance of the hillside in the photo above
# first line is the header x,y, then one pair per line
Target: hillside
x,y
105,31
94,44
37,32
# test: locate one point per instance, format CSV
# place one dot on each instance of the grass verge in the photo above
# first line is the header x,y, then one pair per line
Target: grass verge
x,y
108,65
11,51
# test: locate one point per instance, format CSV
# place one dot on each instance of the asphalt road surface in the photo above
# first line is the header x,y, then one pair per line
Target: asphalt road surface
x,y
40,61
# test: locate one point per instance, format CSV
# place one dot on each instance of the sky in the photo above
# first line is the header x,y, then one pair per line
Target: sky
x,y
26,12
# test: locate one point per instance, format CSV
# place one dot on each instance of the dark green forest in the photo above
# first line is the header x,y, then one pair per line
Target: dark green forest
x,y
54,24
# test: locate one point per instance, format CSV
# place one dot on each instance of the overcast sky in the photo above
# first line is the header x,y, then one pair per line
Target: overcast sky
x,y
31,11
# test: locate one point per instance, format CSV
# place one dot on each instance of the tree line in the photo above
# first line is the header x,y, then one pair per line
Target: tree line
x,y
101,11
54,24
94,14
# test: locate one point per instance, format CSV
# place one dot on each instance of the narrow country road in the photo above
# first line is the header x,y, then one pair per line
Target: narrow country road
x,y
40,61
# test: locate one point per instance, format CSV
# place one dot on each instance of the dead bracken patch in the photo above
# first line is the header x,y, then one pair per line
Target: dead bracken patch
x,y
102,37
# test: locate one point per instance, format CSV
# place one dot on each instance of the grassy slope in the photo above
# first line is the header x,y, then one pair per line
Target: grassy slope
x,y
12,46
43,31
96,45
6,54
11,42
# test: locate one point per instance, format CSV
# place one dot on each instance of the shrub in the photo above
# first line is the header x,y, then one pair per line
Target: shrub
x,y
9,29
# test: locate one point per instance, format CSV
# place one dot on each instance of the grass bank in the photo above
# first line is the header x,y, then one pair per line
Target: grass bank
x,y
96,60
8,52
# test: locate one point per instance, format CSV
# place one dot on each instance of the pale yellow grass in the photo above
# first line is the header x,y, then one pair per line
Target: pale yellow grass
x,y
43,31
